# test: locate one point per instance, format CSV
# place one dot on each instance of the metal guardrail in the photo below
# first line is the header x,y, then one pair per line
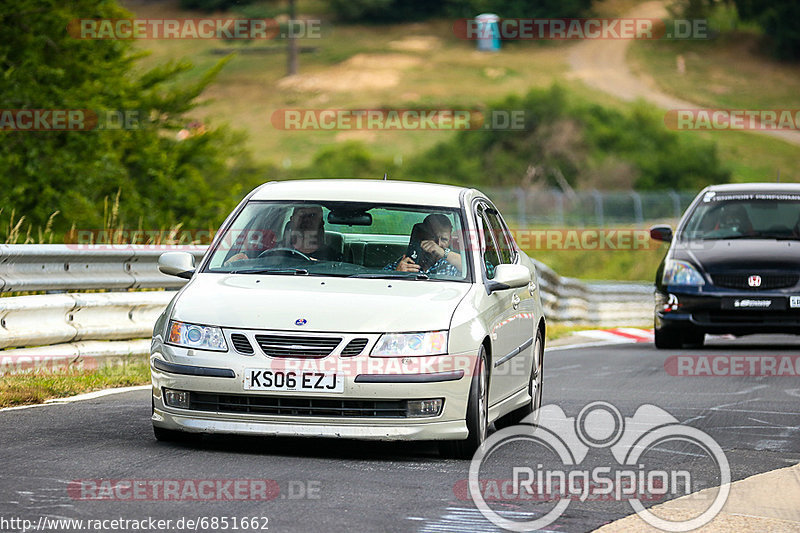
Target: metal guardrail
x,y
59,267
89,329
604,304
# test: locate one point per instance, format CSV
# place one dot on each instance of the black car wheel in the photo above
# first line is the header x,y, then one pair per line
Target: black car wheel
x,y
673,338
477,414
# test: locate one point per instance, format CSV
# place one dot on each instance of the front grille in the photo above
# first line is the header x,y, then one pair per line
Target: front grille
x,y
297,345
768,281
283,406
355,347
241,344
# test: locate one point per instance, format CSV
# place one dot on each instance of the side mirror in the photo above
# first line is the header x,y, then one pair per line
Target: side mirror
x,y
179,264
509,277
661,233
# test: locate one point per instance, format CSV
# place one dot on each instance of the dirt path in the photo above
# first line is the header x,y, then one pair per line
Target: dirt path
x,y
601,64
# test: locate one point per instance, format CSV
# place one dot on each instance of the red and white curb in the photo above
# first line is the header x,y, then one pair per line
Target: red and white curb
x,y
605,337
620,335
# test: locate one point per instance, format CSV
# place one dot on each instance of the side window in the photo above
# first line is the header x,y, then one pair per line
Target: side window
x,y
500,237
490,256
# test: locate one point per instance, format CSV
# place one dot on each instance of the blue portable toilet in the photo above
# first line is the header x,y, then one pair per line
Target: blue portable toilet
x,y
488,32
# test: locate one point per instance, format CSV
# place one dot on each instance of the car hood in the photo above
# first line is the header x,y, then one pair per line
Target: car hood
x,y
273,302
740,254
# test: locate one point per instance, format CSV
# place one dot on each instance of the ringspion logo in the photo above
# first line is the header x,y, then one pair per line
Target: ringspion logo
x,y
573,444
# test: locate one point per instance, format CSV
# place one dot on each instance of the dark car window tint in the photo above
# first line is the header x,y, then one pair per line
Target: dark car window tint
x,y
490,255
506,255
745,216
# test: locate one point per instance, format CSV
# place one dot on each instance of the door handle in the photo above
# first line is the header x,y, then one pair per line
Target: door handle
x,y
515,301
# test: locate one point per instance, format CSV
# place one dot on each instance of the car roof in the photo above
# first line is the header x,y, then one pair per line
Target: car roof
x,y
755,187
383,191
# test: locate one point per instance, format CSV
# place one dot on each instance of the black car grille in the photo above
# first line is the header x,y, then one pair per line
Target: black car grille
x,y
272,405
768,281
241,344
296,345
748,318
355,347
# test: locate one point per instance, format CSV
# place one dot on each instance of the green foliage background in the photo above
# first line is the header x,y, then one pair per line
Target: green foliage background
x,y
161,180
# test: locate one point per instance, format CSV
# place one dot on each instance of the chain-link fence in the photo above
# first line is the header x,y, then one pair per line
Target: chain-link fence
x,y
588,208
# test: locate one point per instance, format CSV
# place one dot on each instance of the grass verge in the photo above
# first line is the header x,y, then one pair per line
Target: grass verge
x,y
36,387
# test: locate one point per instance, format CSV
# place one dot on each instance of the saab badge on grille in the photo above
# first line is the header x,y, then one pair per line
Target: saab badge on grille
x,y
754,281
303,321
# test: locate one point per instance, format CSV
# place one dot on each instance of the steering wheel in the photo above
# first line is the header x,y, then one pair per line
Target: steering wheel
x,y
287,251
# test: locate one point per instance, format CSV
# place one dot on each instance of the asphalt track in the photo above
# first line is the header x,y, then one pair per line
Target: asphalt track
x,y
347,486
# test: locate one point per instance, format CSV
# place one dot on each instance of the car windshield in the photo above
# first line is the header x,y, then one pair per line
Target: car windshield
x,y
745,216
343,239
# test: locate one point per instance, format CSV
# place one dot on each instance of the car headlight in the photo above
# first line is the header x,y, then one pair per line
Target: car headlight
x,y
194,336
681,273
411,344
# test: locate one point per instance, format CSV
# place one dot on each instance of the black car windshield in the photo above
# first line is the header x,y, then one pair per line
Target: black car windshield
x,y
744,216
343,239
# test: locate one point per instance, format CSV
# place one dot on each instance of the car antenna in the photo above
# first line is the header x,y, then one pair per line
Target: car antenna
x,y
385,176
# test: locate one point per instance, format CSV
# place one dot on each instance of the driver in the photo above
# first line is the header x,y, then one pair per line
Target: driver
x,y
734,218
305,233
448,262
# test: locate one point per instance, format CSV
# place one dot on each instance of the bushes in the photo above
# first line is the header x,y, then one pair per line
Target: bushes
x,y
586,144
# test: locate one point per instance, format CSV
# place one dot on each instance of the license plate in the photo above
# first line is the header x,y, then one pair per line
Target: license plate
x,y
291,381
794,302
754,303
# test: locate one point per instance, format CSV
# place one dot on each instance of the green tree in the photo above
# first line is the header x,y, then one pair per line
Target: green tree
x,y
779,20
162,181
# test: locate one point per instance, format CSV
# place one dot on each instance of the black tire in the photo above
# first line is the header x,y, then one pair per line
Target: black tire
x,y
677,338
167,435
694,339
477,414
666,339
535,382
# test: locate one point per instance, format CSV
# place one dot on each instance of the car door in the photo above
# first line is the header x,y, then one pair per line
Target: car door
x,y
498,312
522,302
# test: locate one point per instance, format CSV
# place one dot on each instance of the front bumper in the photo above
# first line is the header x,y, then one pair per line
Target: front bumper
x,y
716,312
223,374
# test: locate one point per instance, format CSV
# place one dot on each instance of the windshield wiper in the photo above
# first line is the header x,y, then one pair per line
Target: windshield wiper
x,y
391,275
290,271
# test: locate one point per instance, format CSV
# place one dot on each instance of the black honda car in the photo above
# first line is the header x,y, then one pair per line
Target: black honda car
x,y
733,265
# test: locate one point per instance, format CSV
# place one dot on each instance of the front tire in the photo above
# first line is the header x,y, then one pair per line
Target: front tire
x,y
477,414
167,435
674,338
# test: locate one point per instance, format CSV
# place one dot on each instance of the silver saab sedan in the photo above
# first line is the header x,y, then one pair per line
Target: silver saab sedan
x,y
359,309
